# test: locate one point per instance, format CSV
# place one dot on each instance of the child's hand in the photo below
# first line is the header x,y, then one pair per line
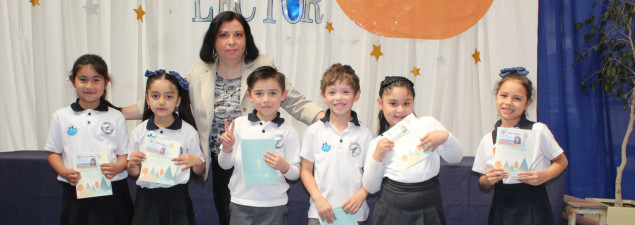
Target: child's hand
x,y
352,204
325,210
188,160
433,139
72,176
111,170
532,178
383,146
136,158
227,139
277,162
495,175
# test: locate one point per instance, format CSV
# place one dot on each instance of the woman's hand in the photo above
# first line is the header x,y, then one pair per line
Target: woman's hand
x,y
433,139
383,146
227,139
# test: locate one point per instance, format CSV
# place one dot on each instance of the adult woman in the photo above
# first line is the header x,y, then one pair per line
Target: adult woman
x,y
218,91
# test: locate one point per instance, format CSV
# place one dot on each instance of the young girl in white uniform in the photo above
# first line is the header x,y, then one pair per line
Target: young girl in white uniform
x,y
519,200
409,195
166,94
90,125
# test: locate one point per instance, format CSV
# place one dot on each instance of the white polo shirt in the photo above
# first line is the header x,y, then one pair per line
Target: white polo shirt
x,y
548,149
451,151
179,131
287,146
338,160
77,130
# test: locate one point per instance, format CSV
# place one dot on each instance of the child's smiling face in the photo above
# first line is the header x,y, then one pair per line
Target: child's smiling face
x,y
339,97
396,104
90,86
511,102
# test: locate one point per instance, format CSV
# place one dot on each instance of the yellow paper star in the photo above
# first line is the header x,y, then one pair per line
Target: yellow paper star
x,y
476,56
34,2
140,13
329,26
376,52
415,71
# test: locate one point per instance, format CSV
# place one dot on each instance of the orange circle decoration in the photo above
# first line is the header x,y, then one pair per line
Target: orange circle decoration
x,y
420,19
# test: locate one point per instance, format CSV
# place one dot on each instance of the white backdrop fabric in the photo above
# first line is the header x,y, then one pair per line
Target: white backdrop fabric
x,y
39,45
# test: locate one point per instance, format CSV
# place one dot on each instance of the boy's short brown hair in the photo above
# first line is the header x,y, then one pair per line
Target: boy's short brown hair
x,y
338,72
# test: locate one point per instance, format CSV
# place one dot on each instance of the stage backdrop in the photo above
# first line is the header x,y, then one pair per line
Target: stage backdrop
x,y
454,69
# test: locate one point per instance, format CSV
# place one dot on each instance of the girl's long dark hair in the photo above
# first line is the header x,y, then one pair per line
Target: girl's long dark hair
x,y
99,65
183,110
386,86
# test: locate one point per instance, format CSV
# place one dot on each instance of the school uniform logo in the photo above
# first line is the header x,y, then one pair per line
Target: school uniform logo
x,y
107,127
71,129
150,134
325,147
355,149
279,139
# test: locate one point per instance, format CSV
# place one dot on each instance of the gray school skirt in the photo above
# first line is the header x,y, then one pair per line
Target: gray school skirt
x,y
409,203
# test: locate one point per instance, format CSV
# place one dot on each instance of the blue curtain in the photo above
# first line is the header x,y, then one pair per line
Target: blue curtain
x,y
590,125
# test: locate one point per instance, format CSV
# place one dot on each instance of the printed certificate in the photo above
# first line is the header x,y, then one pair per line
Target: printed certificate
x,y
255,170
514,150
93,183
158,166
407,134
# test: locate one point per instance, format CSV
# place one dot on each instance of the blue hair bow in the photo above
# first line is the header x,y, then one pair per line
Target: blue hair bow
x,y
519,70
182,82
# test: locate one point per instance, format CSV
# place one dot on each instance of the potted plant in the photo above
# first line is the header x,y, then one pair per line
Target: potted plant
x,y
611,38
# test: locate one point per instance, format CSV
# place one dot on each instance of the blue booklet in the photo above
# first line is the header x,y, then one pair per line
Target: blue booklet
x,y
255,170
514,150
342,218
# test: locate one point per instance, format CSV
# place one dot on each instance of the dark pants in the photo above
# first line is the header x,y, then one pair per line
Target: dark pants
x,y
220,179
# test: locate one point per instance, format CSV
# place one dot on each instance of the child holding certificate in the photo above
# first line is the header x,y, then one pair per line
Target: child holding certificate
x,y
163,150
521,198
410,192
90,136
263,149
333,152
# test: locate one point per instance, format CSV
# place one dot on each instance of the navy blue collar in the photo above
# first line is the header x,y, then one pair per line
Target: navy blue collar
x,y
327,117
524,124
176,124
254,118
78,108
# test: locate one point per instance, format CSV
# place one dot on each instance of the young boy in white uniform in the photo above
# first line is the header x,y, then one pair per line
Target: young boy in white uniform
x,y
334,150
261,204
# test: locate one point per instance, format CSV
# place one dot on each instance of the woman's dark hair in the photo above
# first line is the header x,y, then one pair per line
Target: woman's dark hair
x,y
265,72
524,81
208,52
99,65
183,110
386,86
